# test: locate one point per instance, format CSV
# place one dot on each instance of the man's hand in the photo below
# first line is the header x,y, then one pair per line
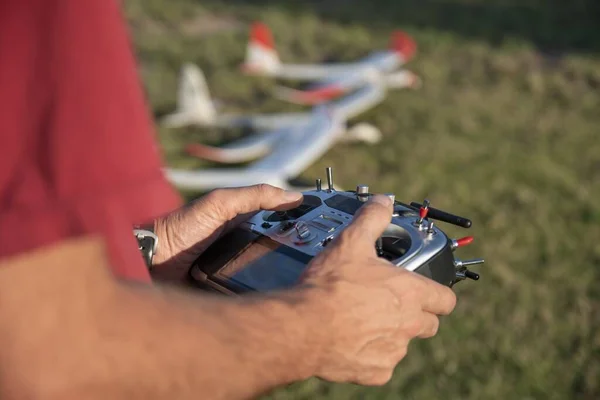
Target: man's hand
x,y
366,310
350,320
187,232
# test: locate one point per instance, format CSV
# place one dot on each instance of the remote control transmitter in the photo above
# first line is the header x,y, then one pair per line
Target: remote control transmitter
x,y
271,249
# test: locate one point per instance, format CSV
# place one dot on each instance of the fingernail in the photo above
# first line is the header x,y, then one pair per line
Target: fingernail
x,y
381,199
290,195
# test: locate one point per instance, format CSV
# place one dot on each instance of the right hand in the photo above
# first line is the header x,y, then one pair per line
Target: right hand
x,y
368,310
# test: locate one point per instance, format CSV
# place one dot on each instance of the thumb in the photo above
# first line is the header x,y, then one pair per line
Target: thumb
x,y
369,223
231,202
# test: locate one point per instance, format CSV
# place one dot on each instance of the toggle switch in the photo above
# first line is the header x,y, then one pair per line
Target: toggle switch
x,y
302,230
461,242
430,230
304,234
466,274
463,273
422,213
440,215
463,264
329,173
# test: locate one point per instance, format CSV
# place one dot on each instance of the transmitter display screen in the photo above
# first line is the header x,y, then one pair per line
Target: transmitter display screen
x,y
265,265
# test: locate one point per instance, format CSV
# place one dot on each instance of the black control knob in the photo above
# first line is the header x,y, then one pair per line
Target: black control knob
x,y
471,275
434,213
466,274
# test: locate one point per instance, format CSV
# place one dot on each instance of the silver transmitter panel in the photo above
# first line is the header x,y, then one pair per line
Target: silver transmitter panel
x,y
272,248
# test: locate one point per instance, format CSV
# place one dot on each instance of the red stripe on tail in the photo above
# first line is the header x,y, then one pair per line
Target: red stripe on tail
x,y
261,34
403,44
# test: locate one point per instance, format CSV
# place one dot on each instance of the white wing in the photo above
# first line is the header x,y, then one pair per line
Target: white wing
x,y
295,152
347,107
358,102
259,145
290,156
220,178
241,150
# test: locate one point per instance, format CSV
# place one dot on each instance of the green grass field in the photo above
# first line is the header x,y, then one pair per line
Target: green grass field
x,y
504,131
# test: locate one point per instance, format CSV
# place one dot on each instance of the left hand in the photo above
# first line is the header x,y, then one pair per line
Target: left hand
x,y
187,232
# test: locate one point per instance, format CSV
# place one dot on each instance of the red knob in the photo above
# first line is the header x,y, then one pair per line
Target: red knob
x,y
464,241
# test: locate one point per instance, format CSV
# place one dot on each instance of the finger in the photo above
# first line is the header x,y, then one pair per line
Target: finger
x,y
369,223
376,377
231,202
423,292
431,324
436,298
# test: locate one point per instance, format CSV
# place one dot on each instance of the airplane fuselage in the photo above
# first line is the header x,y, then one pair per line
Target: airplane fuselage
x,y
347,107
262,121
383,61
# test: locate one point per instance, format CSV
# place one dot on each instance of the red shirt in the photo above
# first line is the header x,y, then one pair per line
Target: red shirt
x,y
77,145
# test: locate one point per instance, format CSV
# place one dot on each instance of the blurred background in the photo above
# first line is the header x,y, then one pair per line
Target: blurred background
x,y
504,131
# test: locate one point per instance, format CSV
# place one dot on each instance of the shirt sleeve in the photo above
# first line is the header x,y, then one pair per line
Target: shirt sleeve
x,y
79,153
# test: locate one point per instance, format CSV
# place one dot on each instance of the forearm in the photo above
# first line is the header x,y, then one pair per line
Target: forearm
x,y
118,341
214,347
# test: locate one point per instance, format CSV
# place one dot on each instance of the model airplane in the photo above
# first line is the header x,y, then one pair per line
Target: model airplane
x,y
289,142
260,144
195,106
289,156
332,80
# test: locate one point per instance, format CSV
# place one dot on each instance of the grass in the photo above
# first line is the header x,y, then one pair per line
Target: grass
x,y
504,131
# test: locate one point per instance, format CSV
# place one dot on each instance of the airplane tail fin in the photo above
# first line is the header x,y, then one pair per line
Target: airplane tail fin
x,y
403,44
261,55
194,104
